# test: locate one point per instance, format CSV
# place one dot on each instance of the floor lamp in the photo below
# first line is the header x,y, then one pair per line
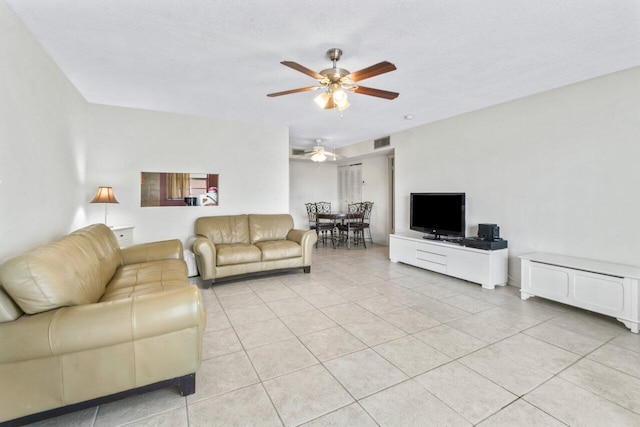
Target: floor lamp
x,y
104,195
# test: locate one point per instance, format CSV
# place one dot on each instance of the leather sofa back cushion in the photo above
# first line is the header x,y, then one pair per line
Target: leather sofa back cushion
x,y
71,271
9,311
269,227
224,229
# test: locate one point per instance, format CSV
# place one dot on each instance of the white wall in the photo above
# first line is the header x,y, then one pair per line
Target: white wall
x,y
42,171
558,171
251,160
375,174
311,182
56,149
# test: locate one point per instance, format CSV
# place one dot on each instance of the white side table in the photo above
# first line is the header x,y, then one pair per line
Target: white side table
x,y
124,235
603,287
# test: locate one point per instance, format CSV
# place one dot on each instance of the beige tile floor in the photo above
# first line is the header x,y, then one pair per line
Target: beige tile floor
x,y
362,341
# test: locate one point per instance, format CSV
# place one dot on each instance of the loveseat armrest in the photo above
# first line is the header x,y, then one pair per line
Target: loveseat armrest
x,y
205,252
306,239
153,251
91,326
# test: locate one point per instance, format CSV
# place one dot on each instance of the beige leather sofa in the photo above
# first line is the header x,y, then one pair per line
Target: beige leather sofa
x,y
81,319
240,244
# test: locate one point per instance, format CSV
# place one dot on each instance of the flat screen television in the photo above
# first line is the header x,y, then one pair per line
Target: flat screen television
x,y
438,214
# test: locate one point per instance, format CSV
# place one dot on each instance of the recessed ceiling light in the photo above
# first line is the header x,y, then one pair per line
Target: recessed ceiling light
x,y
408,117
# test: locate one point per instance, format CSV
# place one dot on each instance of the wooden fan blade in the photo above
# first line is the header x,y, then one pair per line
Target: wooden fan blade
x,y
287,92
374,70
376,92
302,69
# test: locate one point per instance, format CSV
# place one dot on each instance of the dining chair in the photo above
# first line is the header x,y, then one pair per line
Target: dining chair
x,y
311,213
321,228
352,229
366,219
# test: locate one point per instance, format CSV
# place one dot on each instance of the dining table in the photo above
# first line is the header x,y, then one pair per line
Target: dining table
x,y
345,218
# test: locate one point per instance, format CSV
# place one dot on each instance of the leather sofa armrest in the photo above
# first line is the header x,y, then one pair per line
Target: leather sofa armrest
x,y
90,326
205,252
296,235
306,239
153,251
16,348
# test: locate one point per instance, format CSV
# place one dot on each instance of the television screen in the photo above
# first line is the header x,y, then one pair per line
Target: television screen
x,y
438,213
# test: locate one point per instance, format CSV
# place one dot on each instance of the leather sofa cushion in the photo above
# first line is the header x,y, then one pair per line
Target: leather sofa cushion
x,y
238,253
269,227
279,249
146,278
70,271
224,229
9,311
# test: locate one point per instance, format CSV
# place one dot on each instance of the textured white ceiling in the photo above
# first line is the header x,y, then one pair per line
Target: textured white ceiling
x,y
220,58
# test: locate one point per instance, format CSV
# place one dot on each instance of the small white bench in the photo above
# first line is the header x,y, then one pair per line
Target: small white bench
x,y
602,287
190,259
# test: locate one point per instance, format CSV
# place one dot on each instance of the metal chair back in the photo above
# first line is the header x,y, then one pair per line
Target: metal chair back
x,y
354,208
366,218
366,210
311,213
323,207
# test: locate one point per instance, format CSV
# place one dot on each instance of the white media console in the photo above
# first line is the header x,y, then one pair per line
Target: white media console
x,y
488,268
602,287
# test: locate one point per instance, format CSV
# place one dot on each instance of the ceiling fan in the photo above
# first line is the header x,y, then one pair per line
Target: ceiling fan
x,y
320,154
335,81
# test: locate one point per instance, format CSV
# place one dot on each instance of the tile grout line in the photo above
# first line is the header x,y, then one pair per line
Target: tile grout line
x,y
602,364
261,381
557,375
522,331
518,398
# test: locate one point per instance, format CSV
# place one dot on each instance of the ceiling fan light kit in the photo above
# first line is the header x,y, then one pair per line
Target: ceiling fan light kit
x,y
319,157
319,154
335,82
323,100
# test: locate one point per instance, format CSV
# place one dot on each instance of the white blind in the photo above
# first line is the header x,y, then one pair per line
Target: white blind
x,y
349,185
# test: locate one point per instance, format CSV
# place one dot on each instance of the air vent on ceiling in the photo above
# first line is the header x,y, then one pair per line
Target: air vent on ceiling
x,y
297,152
381,142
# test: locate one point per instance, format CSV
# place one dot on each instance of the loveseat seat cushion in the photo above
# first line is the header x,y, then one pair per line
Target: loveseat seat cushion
x,y
146,278
70,271
224,229
237,253
269,227
279,249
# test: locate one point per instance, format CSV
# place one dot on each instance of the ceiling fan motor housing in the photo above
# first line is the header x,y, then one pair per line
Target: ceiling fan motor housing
x,y
334,54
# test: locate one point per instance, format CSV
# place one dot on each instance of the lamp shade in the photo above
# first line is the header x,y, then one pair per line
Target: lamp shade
x,y
104,195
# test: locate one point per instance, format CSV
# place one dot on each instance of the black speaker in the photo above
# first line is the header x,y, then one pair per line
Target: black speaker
x,y
487,245
488,231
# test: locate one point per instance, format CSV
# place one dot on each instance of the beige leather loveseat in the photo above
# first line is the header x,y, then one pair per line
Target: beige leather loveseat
x,y
240,244
81,319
